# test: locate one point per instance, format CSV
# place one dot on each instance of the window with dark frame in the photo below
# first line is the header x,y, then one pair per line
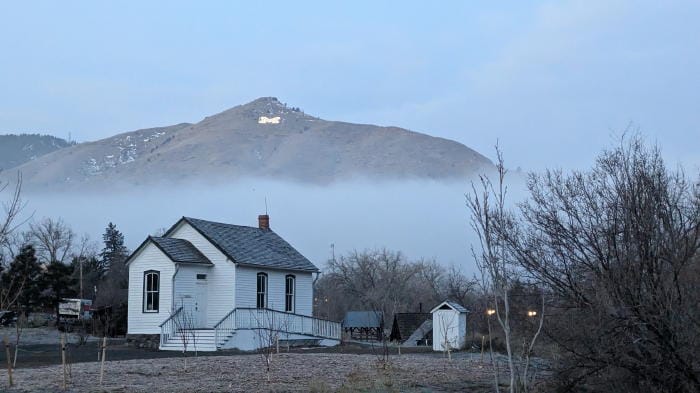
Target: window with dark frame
x,y
262,291
151,291
289,289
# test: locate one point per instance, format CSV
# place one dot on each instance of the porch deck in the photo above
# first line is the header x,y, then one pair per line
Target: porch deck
x,y
256,328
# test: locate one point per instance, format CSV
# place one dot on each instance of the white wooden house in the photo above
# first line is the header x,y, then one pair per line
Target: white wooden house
x,y
206,285
449,326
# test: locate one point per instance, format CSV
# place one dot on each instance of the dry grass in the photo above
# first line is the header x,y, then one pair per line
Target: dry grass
x,y
292,372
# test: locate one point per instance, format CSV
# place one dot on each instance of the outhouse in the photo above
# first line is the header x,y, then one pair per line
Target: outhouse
x,y
449,326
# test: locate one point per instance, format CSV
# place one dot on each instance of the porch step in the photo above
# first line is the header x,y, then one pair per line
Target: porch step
x,y
200,340
190,347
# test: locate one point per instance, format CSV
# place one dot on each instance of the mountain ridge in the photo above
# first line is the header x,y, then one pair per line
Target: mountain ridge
x,y
17,149
263,138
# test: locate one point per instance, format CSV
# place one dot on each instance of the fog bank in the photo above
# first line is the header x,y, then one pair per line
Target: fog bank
x,y
423,219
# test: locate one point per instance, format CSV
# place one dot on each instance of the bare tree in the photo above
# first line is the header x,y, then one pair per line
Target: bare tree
x,y
618,246
378,280
269,326
13,243
457,286
10,290
185,328
12,208
19,329
10,219
86,266
499,268
529,347
448,326
497,273
53,239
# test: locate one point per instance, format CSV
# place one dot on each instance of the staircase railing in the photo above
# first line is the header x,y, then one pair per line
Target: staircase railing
x,y
225,327
169,327
265,318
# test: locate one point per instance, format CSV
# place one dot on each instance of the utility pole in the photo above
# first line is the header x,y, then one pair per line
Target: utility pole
x,y
80,259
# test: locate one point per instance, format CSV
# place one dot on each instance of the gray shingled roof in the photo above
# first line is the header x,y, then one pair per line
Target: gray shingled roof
x,y
454,305
424,331
252,246
406,323
362,319
180,250
457,306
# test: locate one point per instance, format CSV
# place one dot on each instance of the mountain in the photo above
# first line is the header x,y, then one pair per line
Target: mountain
x,y
264,138
16,149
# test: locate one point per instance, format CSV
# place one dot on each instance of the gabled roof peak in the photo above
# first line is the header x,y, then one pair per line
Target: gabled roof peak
x,y
452,305
177,250
250,246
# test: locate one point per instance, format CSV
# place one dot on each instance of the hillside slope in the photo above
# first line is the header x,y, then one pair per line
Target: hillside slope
x,y
16,149
263,138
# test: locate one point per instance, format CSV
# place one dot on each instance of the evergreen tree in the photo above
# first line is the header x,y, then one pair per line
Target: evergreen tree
x,y
58,283
24,275
112,290
114,253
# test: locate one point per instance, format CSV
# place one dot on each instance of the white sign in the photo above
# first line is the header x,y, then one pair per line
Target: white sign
x,y
269,120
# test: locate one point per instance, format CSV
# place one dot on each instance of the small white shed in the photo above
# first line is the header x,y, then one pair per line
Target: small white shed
x,y
449,325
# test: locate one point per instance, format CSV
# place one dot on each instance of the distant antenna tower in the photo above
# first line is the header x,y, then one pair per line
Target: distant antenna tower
x,y
265,205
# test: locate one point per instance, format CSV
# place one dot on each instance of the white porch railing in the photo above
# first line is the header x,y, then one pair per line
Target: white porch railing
x,y
169,327
225,327
264,318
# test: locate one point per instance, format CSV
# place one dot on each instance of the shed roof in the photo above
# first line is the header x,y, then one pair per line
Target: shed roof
x,y
180,250
363,319
451,304
406,323
251,246
424,331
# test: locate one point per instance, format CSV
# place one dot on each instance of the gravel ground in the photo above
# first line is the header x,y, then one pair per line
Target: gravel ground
x,y
291,372
45,335
346,368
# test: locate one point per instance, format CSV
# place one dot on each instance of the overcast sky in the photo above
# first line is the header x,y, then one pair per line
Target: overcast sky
x,y
554,81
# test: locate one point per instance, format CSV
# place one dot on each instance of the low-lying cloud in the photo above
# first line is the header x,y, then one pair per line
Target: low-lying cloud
x,y
423,219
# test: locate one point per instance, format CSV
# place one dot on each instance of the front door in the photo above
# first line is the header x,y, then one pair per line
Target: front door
x,y
200,301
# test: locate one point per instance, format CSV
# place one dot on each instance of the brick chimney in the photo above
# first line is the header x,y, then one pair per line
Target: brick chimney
x,y
264,221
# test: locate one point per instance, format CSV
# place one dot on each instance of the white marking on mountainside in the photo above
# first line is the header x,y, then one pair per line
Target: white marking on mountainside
x,y
269,120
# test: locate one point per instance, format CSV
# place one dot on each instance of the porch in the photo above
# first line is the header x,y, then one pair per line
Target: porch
x,y
246,329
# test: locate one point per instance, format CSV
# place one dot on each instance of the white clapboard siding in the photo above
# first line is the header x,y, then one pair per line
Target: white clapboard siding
x,y
149,258
305,294
186,287
221,277
246,289
449,329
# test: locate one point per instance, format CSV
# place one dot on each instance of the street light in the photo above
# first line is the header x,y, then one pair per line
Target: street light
x,y
531,313
489,312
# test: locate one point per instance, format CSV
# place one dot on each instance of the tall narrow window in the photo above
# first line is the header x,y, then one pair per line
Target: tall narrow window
x,y
289,288
151,291
262,290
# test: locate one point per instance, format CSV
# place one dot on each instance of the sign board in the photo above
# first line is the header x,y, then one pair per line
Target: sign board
x,y
75,307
